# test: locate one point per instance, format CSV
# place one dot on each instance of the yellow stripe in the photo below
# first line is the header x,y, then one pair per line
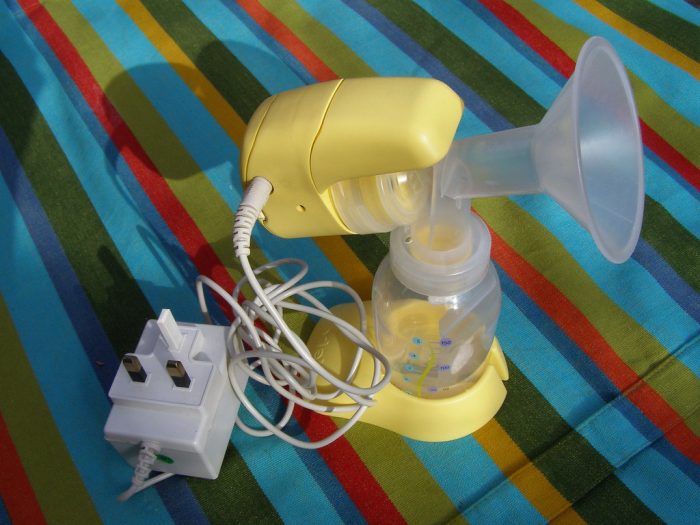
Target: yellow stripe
x,y
351,268
346,261
335,249
641,37
523,473
204,90
428,368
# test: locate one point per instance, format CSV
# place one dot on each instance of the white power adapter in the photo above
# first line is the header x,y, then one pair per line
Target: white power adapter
x,y
172,400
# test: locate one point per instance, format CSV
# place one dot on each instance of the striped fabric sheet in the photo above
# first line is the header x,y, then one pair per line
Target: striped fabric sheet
x,y
120,128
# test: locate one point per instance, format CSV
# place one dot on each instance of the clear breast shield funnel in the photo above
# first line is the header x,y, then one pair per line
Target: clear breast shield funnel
x,y
436,297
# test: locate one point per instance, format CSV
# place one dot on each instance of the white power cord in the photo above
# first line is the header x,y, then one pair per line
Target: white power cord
x,y
144,465
294,377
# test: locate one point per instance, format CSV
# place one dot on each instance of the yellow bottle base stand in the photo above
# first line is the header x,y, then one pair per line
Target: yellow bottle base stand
x,y
414,417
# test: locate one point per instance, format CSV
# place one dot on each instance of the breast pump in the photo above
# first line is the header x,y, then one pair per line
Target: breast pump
x,y
377,155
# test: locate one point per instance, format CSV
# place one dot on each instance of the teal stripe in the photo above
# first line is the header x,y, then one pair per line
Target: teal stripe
x,y
671,83
682,8
477,34
375,49
601,423
673,498
266,67
499,510
674,197
467,481
302,501
213,151
76,401
160,279
662,317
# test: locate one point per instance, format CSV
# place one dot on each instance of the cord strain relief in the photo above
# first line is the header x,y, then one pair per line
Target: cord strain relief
x,y
251,205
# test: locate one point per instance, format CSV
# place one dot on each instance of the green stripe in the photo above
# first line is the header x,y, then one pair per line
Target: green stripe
x,y
575,453
607,503
637,347
567,459
324,43
230,77
189,185
43,454
675,31
661,230
370,249
682,134
510,100
88,246
191,188
521,392
234,497
473,69
401,474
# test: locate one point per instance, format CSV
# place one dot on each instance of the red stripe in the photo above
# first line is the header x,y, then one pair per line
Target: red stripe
x,y
364,490
574,324
15,488
347,466
557,58
171,210
288,39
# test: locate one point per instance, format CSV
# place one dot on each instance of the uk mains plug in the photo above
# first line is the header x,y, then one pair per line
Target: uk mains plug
x,y
174,391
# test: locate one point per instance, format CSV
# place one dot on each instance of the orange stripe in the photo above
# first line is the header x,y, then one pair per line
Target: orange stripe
x,y
203,89
522,473
641,37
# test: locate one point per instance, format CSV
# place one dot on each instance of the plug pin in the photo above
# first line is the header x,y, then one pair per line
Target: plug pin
x,y
134,368
178,374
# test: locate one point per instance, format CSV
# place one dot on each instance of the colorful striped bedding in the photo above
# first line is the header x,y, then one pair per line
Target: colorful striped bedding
x,y
120,128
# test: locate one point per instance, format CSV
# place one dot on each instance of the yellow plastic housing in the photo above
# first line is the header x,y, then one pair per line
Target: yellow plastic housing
x,y
423,419
305,140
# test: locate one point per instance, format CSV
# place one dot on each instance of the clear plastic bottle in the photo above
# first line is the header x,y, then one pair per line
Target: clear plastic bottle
x,y
436,300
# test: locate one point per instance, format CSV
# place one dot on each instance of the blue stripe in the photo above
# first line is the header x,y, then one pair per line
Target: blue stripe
x,y
315,489
667,187
94,341
269,62
663,317
287,58
77,402
477,34
179,107
670,82
434,67
683,9
671,497
4,516
513,40
379,52
372,46
681,292
497,510
582,394
161,281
